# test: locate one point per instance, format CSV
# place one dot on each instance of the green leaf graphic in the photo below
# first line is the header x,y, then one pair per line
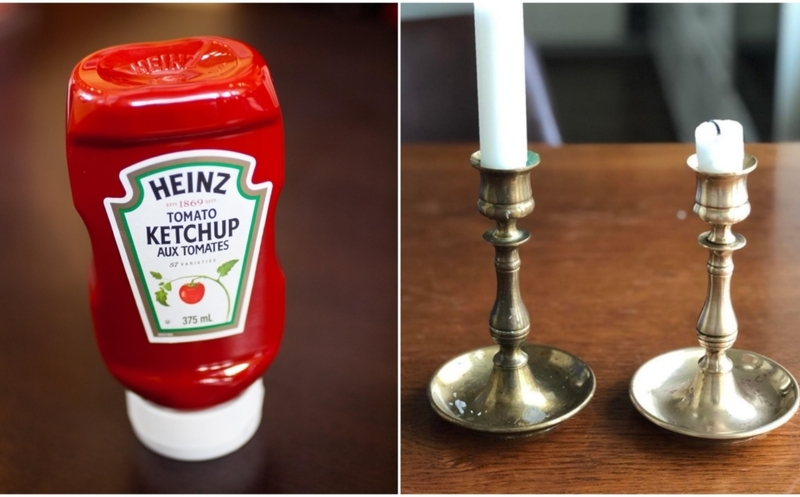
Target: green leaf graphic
x,y
156,275
226,267
161,297
168,286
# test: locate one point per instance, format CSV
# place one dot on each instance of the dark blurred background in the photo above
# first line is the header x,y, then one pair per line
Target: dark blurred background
x,y
613,72
330,416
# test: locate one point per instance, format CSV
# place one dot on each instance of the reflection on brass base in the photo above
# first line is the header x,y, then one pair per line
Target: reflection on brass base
x,y
754,397
473,392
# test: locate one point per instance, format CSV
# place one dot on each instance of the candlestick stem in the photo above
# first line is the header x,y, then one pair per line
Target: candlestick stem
x,y
717,326
509,322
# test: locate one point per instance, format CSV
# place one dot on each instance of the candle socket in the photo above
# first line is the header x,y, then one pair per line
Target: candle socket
x,y
511,387
714,391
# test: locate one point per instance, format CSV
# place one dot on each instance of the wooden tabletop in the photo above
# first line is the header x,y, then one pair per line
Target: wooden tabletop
x,y
330,412
612,273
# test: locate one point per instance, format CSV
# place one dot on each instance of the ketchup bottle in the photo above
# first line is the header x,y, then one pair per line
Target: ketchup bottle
x,y
175,154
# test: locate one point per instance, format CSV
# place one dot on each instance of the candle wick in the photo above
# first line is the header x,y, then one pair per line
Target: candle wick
x,y
719,131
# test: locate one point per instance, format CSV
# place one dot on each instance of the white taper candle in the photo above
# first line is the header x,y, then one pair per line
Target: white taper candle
x,y
500,50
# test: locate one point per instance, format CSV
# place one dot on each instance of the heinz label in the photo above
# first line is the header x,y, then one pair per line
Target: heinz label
x,y
189,231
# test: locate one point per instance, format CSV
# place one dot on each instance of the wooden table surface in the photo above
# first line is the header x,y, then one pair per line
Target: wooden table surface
x,y
612,273
330,413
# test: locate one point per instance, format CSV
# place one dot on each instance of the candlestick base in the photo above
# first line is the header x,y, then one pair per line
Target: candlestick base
x,y
473,392
753,397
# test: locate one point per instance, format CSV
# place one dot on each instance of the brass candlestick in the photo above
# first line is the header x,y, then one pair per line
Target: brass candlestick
x,y
714,391
512,387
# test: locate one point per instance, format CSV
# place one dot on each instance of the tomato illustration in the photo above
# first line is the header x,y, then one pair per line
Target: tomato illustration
x,y
192,293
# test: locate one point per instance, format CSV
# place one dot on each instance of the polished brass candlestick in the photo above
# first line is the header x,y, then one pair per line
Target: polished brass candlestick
x,y
714,391
512,387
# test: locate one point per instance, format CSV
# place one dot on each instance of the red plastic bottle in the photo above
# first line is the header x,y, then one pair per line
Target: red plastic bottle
x,y
175,153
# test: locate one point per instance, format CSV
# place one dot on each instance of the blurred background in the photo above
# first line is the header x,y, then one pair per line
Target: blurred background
x,y
612,72
330,416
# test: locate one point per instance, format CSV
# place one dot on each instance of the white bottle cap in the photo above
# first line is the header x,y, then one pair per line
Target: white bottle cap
x,y
197,434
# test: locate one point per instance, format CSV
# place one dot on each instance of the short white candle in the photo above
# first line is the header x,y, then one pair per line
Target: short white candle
x,y
500,50
720,146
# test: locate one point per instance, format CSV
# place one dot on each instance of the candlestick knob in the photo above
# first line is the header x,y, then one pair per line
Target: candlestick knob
x,y
512,387
714,391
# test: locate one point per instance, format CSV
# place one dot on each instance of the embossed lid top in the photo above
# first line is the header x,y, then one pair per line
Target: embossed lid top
x,y
188,86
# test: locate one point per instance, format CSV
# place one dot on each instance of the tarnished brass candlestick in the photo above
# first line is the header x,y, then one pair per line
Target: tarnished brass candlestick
x,y
714,391
512,387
